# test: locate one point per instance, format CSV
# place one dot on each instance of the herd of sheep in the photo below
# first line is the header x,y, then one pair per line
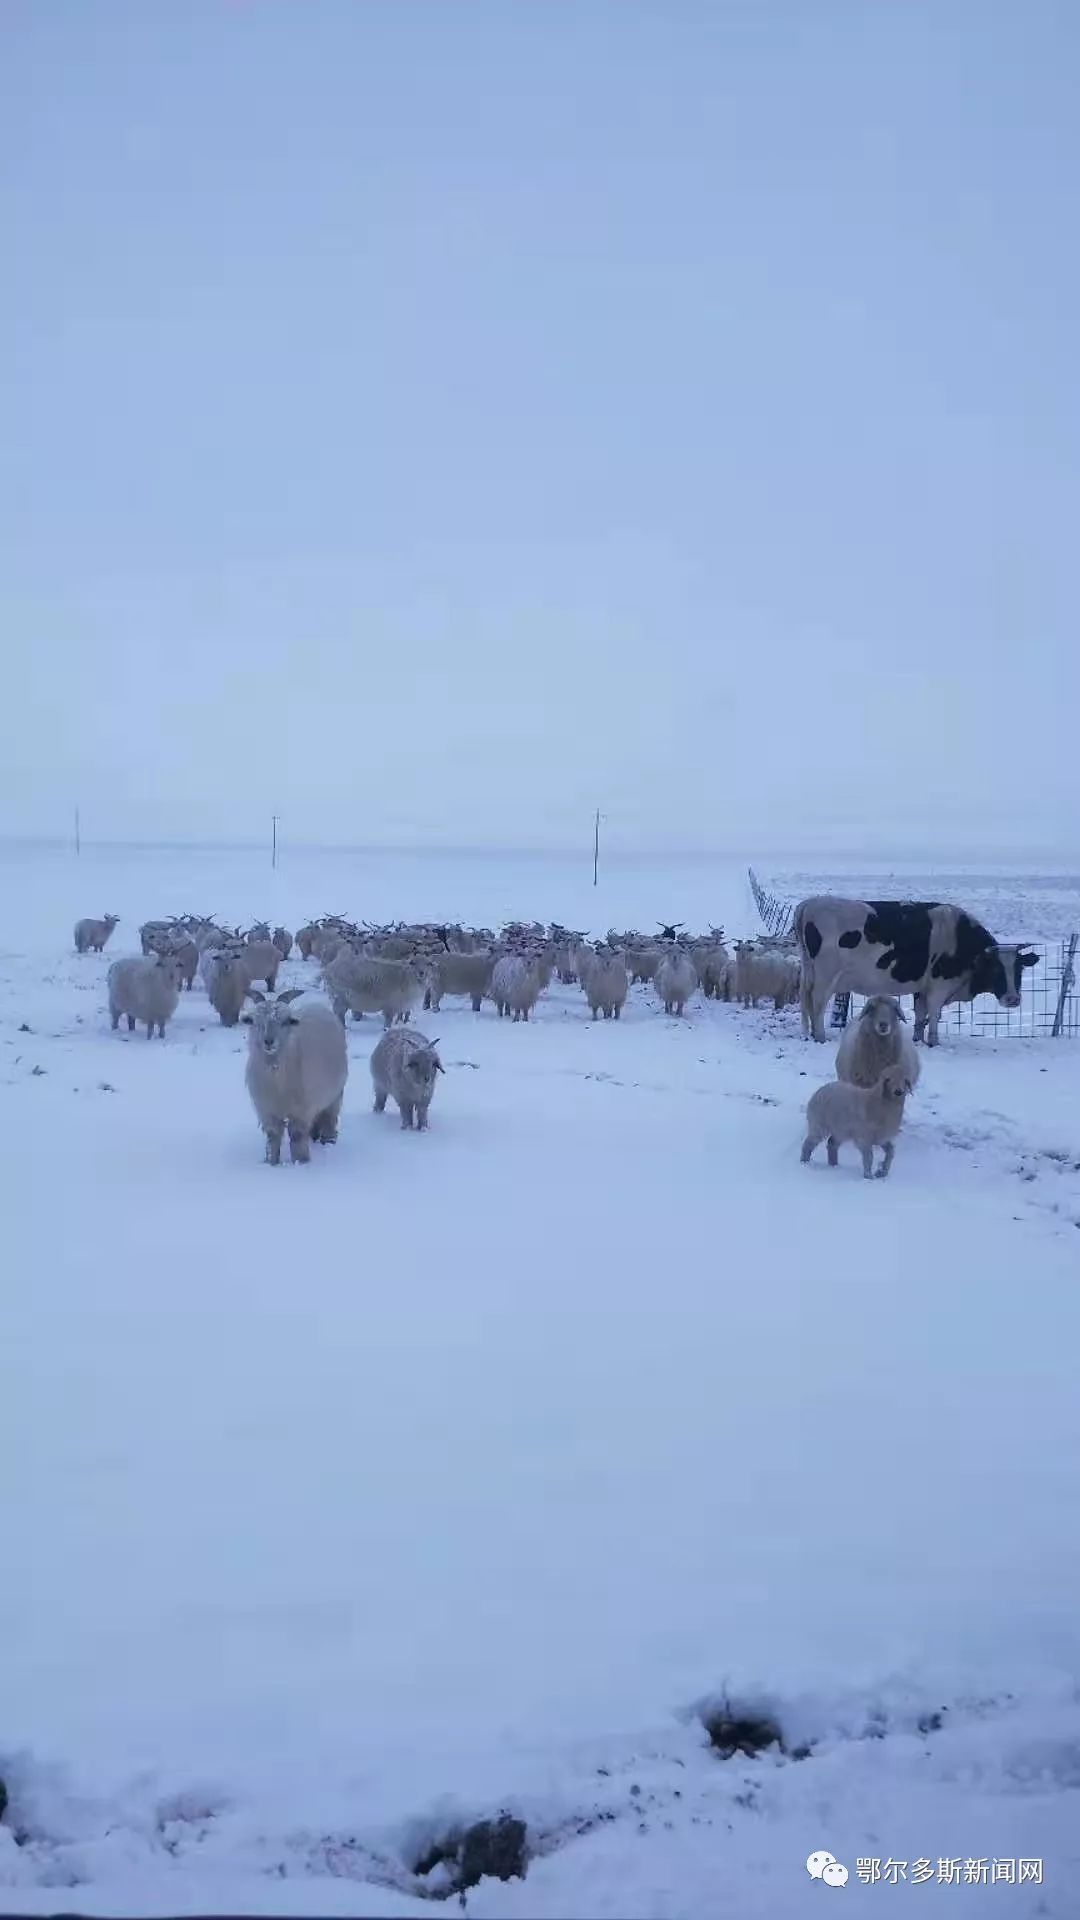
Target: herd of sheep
x,y
298,1059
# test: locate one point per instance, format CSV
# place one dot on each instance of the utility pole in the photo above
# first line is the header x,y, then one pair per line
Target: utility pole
x,y
596,847
273,847
78,839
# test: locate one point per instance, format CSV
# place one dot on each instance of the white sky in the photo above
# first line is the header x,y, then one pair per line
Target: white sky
x,y
431,419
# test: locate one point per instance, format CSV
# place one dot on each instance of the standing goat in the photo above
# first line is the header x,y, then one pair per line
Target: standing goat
x,y
405,1065
91,935
297,1067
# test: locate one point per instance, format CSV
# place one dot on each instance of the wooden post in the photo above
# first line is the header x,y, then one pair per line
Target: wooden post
x,y
596,848
78,838
273,852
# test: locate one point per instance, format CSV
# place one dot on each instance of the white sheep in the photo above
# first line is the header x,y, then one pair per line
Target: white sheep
x,y
406,1065
675,979
870,1116
365,983
606,984
91,935
227,981
456,975
765,974
297,1067
261,960
144,987
283,941
876,1040
515,985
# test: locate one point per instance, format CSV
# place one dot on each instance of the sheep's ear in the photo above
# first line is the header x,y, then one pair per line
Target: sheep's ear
x,y
439,1068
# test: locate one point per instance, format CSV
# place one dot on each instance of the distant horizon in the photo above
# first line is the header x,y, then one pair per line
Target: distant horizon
x,y
1052,862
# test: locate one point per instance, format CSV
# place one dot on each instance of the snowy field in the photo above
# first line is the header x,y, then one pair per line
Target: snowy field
x,y
345,1506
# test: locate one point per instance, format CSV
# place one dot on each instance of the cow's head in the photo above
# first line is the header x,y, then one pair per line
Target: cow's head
x,y
1000,971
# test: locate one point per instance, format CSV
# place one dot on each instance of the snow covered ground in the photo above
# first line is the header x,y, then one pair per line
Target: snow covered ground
x,y
345,1506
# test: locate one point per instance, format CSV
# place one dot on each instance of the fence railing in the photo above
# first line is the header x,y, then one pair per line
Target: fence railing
x,y
1049,997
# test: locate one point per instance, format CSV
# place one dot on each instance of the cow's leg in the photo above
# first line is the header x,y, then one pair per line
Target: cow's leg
x,y
820,1000
806,1004
919,1031
935,1004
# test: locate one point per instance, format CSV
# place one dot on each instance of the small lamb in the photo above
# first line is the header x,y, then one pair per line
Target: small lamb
x,y
870,1116
405,1064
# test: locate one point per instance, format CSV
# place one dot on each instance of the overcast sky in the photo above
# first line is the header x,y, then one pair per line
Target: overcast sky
x,y
432,419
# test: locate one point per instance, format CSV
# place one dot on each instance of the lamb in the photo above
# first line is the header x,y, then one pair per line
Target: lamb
x,y
870,1116
765,974
515,985
144,987
405,1065
261,959
227,981
283,941
91,935
675,979
457,974
297,1067
874,1041
363,983
606,984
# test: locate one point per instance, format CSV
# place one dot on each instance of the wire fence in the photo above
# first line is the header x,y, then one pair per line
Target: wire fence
x,y
1049,997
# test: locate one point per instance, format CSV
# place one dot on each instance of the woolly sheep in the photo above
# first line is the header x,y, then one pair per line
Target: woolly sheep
x,y
261,959
714,966
363,983
91,935
874,1041
870,1116
283,941
515,985
455,974
405,1064
144,987
297,1067
643,962
260,931
607,984
152,932
227,983
675,979
305,939
765,974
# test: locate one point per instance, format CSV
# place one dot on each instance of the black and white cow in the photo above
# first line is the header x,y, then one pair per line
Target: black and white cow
x,y
938,953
